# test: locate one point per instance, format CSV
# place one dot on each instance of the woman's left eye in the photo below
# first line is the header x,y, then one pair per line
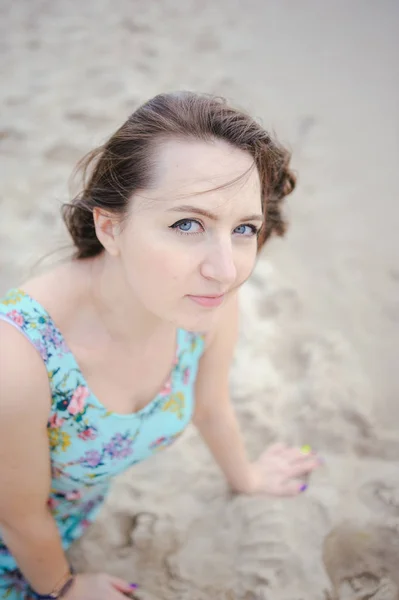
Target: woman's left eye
x,y
187,226
246,230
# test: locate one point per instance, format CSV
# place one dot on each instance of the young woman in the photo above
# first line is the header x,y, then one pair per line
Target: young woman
x,y
101,357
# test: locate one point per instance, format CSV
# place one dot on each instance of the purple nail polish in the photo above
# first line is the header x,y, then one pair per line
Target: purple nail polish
x,y
133,586
303,487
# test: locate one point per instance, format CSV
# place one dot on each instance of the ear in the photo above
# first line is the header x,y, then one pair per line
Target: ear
x,y
107,229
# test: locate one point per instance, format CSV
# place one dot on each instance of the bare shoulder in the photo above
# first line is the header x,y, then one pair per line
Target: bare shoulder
x,y
24,386
56,289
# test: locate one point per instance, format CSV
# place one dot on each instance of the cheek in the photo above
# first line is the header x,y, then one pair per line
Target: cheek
x,y
157,261
245,264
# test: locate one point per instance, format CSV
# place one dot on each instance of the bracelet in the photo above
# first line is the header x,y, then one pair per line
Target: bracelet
x,y
59,591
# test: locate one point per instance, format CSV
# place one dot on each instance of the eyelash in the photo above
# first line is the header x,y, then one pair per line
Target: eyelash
x,y
255,230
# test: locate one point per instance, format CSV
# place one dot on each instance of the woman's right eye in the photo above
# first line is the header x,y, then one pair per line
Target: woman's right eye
x,y
187,226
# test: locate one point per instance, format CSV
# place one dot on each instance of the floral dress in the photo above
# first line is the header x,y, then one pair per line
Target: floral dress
x,y
89,444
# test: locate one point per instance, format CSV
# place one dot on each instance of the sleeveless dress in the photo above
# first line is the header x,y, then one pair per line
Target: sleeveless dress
x,y
89,444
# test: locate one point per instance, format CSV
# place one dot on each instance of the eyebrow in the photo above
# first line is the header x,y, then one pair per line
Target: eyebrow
x,y
205,213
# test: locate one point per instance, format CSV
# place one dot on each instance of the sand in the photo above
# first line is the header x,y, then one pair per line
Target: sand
x,y
317,357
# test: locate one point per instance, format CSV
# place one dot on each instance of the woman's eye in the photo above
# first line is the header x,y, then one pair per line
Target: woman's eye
x,y
192,226
247,230
187,226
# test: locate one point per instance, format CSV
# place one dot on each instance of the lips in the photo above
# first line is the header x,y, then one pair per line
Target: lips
x,y
208,301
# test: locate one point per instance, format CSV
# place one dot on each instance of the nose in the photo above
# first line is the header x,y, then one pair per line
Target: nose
x,y
219,264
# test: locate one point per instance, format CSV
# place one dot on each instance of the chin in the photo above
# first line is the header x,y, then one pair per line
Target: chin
x,y
198,323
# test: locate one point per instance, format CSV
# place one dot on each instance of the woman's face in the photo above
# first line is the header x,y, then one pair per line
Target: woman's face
x,y
183,249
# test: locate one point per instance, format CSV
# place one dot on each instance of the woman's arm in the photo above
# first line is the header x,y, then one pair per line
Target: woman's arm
x,y
214,414
279,470
26,525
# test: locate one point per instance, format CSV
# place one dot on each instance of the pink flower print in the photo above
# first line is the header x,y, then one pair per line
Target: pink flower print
x,y
56,421
42,348
186,376
84,523
87,434
52,336
61,347
16,317
48,333
78,399
52,503
73,495
158,442
167,388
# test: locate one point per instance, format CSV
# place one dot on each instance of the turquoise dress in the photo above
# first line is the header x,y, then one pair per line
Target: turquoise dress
x,y
89,444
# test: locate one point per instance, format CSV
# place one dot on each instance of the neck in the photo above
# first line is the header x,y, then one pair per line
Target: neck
x,y
121,313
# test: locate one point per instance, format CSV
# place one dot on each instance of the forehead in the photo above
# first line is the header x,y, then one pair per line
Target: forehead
x,y
215,174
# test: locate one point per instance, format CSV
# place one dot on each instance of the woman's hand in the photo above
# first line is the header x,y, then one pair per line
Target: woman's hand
x,y
283,471
99,586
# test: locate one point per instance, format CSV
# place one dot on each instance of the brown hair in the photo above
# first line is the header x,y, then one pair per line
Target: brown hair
x,y
124,164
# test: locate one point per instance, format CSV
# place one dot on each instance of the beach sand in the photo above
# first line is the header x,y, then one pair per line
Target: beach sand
x,y
317,357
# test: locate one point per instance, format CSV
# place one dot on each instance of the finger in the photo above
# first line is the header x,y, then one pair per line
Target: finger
x,y
117,595
123,586
293,454
303,468
298,453
276,449
294,488
114,594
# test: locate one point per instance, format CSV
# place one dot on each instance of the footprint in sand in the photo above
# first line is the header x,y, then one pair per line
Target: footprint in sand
x,y
383,448
362,563
264,558
381,498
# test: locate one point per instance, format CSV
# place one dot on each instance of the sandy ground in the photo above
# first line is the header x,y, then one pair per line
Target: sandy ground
x,y
317,356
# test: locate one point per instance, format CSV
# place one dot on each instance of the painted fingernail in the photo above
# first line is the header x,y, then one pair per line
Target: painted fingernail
x,y
303,487
306,449
133,586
